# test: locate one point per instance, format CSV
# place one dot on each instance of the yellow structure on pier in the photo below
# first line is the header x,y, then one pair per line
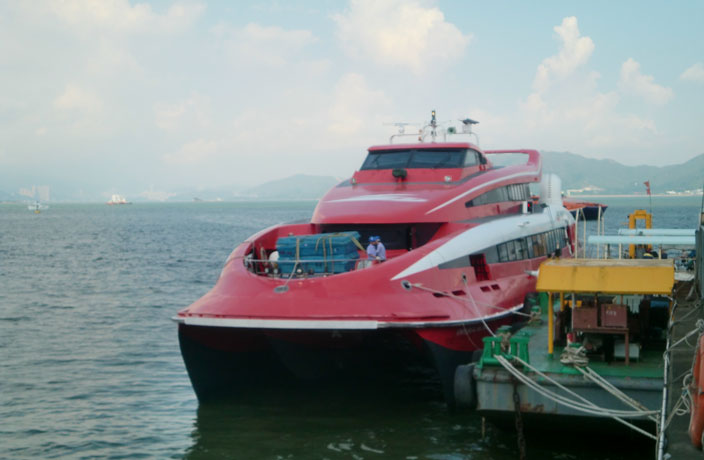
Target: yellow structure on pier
x,y
602,276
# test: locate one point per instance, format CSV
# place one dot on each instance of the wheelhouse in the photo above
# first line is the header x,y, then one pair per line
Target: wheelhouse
x,y
422,158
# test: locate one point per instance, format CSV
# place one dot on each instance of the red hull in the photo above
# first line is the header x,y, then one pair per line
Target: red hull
x,y
460,253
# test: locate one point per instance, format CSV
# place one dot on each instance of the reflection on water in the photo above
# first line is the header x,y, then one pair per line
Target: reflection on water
x,y
368,421
345,421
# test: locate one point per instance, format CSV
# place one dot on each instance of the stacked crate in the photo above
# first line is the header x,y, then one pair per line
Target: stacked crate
x,y
318,254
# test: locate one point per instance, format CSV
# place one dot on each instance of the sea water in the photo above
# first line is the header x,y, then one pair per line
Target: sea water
x,y
90,365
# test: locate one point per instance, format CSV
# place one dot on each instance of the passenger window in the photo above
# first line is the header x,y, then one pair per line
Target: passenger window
x,y
511,250
503,253
538,245
520,249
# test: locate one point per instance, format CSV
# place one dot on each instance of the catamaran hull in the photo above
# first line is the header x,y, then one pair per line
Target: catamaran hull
x,y
229,362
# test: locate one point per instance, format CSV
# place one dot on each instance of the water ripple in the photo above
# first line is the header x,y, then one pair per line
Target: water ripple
x,y
91,367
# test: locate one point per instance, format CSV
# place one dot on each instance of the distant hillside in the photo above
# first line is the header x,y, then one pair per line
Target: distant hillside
x,y
578,172
298,187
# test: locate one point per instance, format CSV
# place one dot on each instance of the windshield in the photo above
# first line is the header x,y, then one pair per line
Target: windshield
x,y
415,159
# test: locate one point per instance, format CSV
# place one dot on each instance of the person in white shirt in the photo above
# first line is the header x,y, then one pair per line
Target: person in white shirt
x,y
376,249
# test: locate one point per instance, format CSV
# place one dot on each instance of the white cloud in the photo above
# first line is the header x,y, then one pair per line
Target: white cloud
x,y
192,153
120,15
567,111
400,33
634,82
574,52
694,73
79,99
271,46
354,105
188,114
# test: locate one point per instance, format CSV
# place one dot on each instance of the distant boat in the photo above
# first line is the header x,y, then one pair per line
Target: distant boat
x,y
37,207
590,211
118,199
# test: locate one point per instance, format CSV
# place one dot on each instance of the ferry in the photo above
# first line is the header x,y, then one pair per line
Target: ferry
x,y
117,199
588,210
462,236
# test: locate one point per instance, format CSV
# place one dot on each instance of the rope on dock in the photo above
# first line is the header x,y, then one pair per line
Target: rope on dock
x,y
574,356
611,389
586,406
697,330
684,403
685,400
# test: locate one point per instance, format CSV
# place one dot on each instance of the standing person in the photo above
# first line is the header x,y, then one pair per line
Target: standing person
x,y
376,249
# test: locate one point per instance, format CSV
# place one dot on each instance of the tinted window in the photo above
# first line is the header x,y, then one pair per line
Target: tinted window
x,y
415,159
511,250
538,245
503,253
437,159
389,160
472,158
521,252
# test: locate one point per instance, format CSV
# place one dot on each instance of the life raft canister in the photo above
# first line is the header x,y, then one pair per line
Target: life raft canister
x,y
696,391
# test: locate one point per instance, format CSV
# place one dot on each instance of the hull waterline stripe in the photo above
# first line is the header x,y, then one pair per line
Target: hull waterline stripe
x,y
329,324
279,323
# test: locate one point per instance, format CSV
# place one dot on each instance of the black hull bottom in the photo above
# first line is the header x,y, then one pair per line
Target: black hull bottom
x,y
217,373
390,361
590,212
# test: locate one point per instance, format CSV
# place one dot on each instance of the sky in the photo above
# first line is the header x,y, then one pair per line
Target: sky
x,y
145,98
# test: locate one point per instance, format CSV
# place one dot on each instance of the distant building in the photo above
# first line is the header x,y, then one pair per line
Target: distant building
x,y
37,192
587,189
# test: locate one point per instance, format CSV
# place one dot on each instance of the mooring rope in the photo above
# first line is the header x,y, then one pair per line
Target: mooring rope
x,y
464,302
697,330
586,407
452,296
611,389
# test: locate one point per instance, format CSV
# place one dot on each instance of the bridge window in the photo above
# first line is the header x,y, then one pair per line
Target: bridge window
x,y
416,159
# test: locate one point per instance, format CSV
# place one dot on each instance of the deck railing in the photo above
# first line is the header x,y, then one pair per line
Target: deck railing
x,y
301,268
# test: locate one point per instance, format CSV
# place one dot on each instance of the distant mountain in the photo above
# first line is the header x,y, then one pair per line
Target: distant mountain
x,y
612,177
577,173
298,187
12,197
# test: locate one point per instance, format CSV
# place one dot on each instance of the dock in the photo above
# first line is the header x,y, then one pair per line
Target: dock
x,y
609,348
678,443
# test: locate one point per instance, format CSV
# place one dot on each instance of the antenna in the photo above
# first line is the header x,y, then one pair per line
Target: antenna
x,y
433,125
467,127
401,126
434,128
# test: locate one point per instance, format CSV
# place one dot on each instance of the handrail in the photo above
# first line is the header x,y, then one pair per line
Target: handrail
x,y
271,267
533,155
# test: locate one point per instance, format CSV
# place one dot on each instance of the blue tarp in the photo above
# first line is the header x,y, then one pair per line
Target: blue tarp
x,y
319,253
